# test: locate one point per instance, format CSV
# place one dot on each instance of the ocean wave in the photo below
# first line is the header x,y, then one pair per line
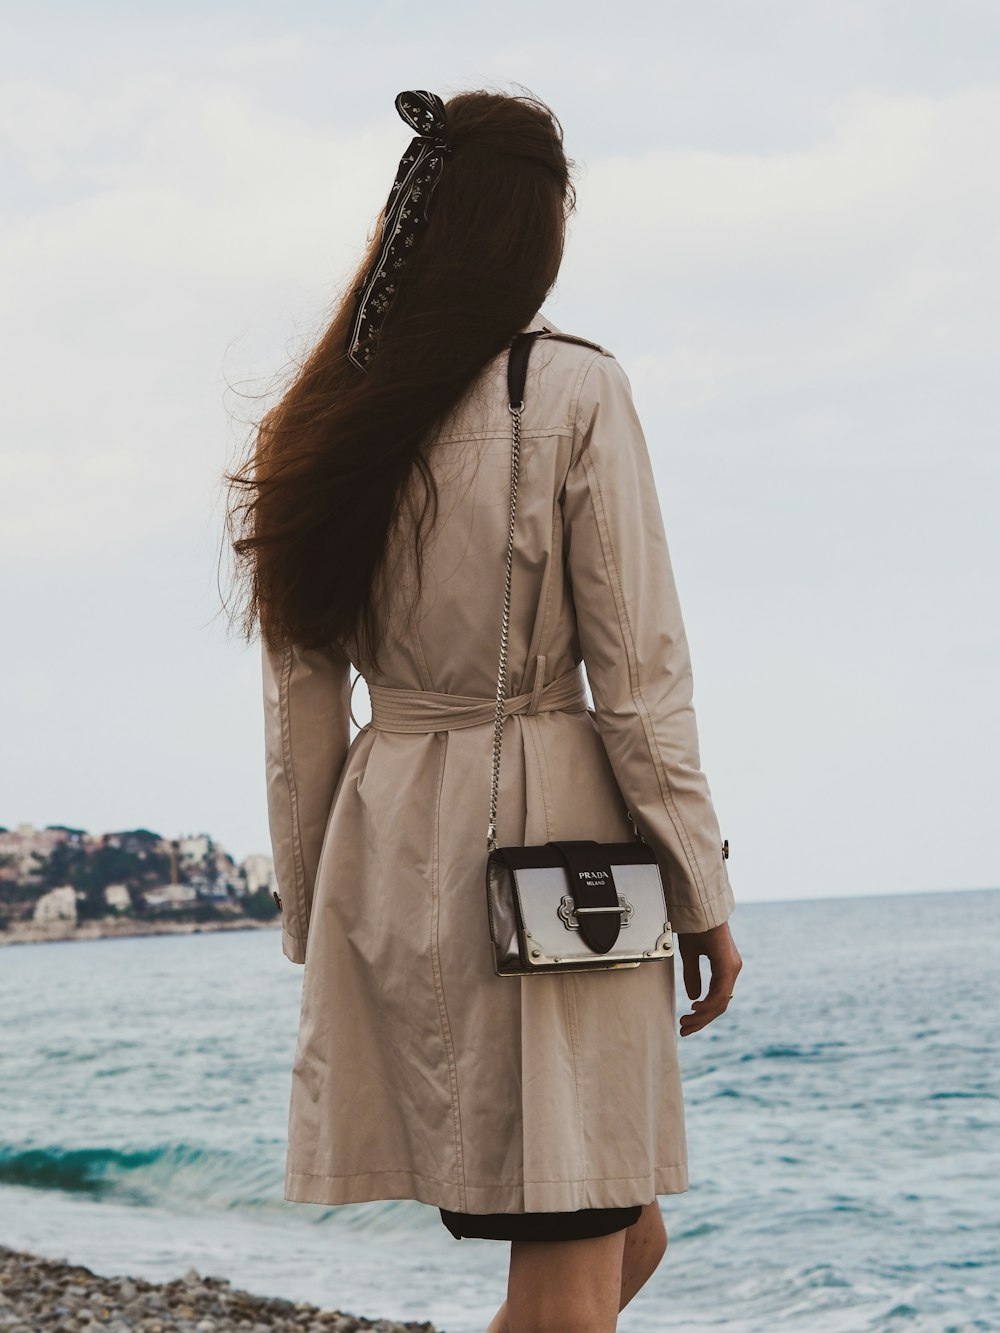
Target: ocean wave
x,y
149,1175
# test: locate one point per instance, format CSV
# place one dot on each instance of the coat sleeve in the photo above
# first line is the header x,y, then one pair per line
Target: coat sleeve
x,y
306,739
634,646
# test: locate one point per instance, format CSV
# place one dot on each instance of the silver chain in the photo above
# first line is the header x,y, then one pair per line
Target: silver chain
x,y
515,459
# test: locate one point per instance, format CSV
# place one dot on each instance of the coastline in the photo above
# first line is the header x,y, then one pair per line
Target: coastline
x,y
106,928
36,1290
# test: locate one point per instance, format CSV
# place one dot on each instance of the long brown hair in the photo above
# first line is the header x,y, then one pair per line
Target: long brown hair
x,y
314,507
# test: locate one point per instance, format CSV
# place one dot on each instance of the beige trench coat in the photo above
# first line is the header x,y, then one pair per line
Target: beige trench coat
x,y
419,1073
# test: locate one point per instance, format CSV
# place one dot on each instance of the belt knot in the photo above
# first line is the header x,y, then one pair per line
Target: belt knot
x,y
429,710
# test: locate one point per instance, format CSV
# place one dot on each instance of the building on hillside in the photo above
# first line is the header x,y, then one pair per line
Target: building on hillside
x,y
194,849
258,871
63,833
24,849
117,897
221,859
169,897
137,842
209,888
233,883
58,905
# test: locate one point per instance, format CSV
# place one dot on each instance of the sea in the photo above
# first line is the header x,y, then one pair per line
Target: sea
x,y
843,1123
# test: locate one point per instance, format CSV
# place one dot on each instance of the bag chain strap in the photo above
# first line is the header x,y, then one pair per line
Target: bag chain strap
x,y
515,458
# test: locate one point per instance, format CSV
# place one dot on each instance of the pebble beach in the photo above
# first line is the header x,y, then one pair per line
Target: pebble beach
x,y
40,1294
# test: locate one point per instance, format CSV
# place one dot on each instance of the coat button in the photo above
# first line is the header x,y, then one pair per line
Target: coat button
x,y
725,850
277,899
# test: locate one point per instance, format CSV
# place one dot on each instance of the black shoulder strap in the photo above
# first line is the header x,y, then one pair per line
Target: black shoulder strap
x,y
517,366
520,350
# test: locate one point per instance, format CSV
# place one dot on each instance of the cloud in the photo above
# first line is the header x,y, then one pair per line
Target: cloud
x,y
129,282
735,279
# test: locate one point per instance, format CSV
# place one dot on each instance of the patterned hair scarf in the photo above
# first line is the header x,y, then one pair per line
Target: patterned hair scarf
x,y
405,216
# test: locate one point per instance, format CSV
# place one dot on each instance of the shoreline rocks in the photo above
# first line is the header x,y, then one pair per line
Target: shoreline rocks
x,y
34,932
38,1294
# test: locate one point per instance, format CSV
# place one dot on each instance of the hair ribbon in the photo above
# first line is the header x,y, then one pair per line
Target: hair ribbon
x,y
404,218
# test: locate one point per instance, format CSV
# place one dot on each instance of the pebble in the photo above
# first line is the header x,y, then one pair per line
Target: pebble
x,y
38,1293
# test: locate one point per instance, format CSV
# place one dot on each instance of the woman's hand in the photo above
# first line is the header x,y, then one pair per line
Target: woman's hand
x,y
724,961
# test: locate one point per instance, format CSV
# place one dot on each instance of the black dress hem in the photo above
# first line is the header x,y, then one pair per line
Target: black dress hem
x,y
582,1224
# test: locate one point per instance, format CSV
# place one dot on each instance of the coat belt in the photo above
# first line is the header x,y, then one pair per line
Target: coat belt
x,y
428,710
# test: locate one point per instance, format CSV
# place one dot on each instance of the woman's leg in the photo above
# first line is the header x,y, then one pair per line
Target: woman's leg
x,y
569,1286
645,1244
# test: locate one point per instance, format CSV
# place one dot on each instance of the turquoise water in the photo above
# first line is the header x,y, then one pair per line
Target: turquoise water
x,y
843,1124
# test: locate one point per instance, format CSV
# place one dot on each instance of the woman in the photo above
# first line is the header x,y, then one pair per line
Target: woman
x,y
543,1110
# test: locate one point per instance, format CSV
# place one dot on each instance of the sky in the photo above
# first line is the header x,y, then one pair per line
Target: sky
x,y
788,232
